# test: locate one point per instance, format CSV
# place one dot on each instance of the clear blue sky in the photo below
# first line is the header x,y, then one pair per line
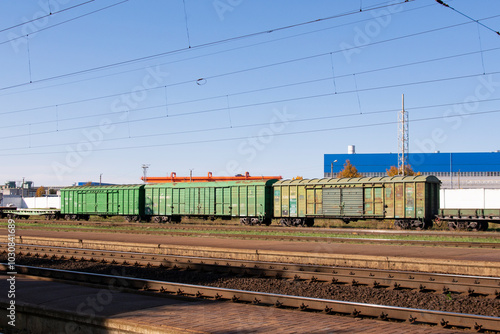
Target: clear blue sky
x,y
229,86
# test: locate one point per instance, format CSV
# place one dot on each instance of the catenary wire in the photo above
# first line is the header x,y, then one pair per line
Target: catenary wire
x,y
357,126
203,45
217,52
51,13
260,103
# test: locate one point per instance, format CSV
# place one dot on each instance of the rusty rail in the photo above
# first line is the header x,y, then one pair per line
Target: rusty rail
x,y
377,278
411,315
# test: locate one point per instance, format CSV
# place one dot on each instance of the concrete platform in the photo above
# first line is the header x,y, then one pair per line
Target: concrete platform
x,y
53,307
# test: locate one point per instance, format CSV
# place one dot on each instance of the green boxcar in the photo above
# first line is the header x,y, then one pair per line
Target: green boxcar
x,y
116,200
251,201
411,201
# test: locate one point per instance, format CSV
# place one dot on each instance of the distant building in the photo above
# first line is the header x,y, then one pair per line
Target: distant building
x,y
89,183
455,170
23,189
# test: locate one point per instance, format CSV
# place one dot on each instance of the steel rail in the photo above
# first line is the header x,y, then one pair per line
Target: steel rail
x,y
426,243
411,315
377,278
237,228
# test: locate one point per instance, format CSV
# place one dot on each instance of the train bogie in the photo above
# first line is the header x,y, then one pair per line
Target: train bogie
x,y
469,219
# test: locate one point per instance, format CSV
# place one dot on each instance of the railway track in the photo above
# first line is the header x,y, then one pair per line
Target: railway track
x,y
247,234
238,228
376,278
386,313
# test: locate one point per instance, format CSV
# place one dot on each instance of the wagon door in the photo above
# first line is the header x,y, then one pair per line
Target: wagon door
x,y
332,202
378,201
389,201
352,202
399,200
102,202
410,200
420,200
222,201
90,203
227,201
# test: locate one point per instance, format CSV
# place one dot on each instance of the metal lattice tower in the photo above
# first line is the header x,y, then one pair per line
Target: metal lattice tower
x,y
403,139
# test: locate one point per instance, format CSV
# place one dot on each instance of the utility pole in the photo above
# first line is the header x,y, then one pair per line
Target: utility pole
x,y
145,172
403,139
191,175
100,179
331,174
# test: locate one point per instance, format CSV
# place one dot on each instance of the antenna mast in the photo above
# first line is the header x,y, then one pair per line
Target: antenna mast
x,y
145,172
403,139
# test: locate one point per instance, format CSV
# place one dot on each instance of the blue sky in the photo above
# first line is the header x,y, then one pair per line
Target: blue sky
x,y
229,86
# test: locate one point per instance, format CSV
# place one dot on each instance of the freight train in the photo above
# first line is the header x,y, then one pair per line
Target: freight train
x,y
410,202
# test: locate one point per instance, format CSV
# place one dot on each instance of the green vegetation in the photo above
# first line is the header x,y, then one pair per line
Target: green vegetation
x,y
259,232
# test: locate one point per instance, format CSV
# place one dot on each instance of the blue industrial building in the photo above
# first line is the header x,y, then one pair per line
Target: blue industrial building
x,y
456,170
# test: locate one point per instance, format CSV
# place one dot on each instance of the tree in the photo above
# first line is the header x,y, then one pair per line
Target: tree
x,y
394,171
40,192
349,171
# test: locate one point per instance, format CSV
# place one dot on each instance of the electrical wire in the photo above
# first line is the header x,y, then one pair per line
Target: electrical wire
x,y
467,16
255,90
204,111
219,52
203,45
63,22
205,141
51,13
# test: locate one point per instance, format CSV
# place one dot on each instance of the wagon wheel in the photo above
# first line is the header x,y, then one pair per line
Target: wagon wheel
x,y
484,226
284,222
474,226
157,219
255,221
418,225
298,222
398,225
452,225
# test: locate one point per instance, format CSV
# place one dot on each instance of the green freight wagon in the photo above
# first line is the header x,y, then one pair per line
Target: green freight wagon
x,y
251,201
469,219
411,201
115,200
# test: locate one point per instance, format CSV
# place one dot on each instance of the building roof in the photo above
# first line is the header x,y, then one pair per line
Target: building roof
x,y
420,162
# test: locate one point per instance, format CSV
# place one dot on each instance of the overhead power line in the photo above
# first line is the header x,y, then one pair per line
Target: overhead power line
x,y
51,13
254,90
467,16
235,107
223,51
63,22
357,126
199,46
204,111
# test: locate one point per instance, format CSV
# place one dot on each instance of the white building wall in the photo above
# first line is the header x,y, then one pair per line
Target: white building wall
x,y
469,198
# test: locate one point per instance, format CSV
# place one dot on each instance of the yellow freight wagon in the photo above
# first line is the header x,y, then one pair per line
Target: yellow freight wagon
x,y
411,201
